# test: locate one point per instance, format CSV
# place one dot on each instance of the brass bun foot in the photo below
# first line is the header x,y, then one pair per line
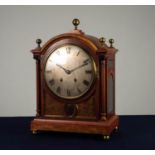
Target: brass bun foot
x,y
34,132
116,129
106,137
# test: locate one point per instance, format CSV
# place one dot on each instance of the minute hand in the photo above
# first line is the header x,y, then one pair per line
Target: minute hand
x,y
79,67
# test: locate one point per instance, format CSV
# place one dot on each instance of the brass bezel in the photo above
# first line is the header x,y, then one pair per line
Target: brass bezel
x,y
94,73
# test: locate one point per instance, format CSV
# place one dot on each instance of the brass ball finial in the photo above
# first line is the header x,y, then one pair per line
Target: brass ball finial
x,y
111,41
102,40
38,41
76,22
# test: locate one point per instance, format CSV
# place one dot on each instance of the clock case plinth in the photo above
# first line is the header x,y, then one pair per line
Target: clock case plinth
x,y
96,108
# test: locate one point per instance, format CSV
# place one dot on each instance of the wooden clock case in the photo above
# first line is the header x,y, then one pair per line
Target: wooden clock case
x,y
93,112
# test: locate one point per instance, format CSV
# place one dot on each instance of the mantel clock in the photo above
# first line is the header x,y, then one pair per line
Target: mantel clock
x,y
75,84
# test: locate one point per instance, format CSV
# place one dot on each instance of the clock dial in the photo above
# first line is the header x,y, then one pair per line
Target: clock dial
x,y
69,72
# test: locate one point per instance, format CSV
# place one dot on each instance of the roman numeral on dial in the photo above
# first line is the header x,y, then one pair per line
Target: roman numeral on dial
x,y
85,82
86,61
88,71
68,50
78,53
58,52
48,71
68,92
58,90
79,90
52,82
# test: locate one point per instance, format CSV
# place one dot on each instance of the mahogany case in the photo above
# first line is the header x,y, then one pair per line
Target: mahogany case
x,y
96,109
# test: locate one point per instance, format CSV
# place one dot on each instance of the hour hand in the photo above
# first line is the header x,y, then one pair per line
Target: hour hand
x,y
66,70
61,67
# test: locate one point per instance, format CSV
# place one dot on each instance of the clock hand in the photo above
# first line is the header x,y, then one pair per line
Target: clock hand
x,y
66,70
86,63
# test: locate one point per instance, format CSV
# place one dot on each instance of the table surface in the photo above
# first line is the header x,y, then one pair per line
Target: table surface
x,y
135,132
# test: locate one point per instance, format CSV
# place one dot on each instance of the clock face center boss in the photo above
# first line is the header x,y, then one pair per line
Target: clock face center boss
x,y
75,84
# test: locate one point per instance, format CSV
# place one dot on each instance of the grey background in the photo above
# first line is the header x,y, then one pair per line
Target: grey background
x,y
133,28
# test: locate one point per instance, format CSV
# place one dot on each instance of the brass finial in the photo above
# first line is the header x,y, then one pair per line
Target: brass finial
x,y
76,22
111,41
38,41
102,40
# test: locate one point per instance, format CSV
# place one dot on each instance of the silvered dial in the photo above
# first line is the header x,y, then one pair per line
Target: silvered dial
x,y
69,72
